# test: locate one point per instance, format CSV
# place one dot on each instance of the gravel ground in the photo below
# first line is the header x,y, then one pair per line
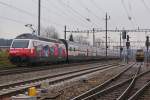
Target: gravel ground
x,y
146,95
25,76
146,92
74,87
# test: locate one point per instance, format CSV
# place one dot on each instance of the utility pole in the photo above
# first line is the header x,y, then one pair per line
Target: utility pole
x,y
39,17
93,37
124,33
106,19
128,45
65,31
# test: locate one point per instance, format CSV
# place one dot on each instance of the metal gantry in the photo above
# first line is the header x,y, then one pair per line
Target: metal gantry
x,y
97,30
116,30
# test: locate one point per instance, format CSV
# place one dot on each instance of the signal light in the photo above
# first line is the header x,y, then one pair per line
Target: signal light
x,y
147,41
127,37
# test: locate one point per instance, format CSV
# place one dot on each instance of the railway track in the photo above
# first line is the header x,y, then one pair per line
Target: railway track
x,y
15,87
9,71
120,87
143,93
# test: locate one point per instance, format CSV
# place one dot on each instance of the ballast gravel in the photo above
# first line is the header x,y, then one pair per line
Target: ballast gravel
x,y
69,89
54,71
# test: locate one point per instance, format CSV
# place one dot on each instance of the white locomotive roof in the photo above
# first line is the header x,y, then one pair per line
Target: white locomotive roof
x,y
32,36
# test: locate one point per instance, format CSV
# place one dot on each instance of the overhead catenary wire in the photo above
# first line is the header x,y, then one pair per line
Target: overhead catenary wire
x,y
18,9
65,14
59,9
48,10
46,19
71,12
130,8
97,6
145,5
24,11
76,12
64,4
82,4
128,15
12,20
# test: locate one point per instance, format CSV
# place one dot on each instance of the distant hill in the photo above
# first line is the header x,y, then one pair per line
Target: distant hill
x,y
5,42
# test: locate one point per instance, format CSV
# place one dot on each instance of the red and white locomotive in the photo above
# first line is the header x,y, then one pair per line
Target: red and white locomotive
x,y
29,49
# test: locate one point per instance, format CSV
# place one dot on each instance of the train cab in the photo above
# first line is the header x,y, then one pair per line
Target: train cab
x,y
140,55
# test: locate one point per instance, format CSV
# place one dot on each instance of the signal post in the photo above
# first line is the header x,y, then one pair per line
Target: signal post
x,y
147,47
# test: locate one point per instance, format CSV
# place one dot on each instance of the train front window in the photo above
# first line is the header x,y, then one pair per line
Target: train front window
x,y
20,44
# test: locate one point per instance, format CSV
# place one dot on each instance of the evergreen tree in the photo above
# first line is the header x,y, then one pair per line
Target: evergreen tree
x,y
71,38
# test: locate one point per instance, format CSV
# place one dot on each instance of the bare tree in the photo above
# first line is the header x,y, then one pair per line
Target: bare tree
x,y
49,32
99,43
81,40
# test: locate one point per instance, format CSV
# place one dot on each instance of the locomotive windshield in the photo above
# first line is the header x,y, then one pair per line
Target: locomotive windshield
x,y
20,44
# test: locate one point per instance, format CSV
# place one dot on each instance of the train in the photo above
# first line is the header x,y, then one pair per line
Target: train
x,y
32,49
140,55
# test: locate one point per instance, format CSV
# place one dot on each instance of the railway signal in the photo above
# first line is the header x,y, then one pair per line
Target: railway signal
x,y
147,46
127,45
128,42
127,37
147,42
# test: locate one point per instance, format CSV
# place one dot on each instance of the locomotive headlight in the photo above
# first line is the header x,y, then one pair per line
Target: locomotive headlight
x,y
32,51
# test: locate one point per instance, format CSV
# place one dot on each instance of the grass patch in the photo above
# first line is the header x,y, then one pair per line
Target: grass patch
x,y
4,61
3,54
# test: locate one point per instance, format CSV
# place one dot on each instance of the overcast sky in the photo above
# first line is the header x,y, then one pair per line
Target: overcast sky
x,y
130,14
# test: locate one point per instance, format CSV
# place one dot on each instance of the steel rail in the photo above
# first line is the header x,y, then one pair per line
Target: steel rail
x,y
124,95
96,95
5,85
51,79
101,86
140,91
17,70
